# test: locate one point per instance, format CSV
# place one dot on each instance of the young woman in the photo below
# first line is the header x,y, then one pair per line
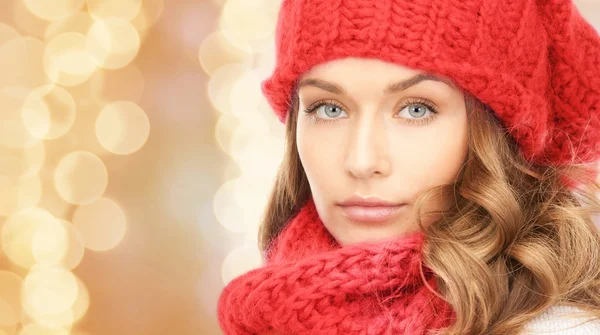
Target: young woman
x,y
440,172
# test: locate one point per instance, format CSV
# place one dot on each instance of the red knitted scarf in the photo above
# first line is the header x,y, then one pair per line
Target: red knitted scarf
x,y
312,285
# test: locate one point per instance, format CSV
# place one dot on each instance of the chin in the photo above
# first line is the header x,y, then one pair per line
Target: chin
x,y
361,236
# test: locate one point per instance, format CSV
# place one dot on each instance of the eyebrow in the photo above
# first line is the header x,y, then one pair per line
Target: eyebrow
x,y
390,89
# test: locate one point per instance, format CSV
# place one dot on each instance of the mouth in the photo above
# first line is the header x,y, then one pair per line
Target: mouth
x,y
370,214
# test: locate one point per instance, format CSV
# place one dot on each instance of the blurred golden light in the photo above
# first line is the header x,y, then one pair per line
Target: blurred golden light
x,y
35,329
253,148
216,51
18,232
265,61
8,330
78,22
142,25
13,134
7,33
237,204
23,163
80,177
251,238
49,242
48,112
10,288
225,126
113,42
219,3
67,61
262,159
17,194
231,171
124,9
274,125
122,127
53,10
228,214
246,96
66,318
149,14
242,28
51,200
82,134
7,314
62,320
48,290
250,193
239,261
246,133
102,224
21,63
221,84
82,302
28,23
75,247
114,85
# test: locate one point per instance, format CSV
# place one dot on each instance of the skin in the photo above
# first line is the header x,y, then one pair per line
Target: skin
x,y
369,147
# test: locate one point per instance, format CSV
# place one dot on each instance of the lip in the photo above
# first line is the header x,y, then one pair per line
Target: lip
x,y
356,200
370,213
371,209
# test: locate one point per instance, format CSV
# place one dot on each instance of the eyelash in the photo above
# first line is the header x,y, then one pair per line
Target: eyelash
x,y
413,101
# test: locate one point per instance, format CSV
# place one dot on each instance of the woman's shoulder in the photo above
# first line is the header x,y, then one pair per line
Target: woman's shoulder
x,y
563,320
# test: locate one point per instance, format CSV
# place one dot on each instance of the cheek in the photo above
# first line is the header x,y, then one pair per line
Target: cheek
x,y
431,160
433,157
319,153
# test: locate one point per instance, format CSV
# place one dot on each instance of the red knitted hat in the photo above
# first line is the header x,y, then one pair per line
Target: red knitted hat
x,y
535,63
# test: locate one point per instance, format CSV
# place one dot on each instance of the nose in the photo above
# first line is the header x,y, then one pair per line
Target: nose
x,y
367,154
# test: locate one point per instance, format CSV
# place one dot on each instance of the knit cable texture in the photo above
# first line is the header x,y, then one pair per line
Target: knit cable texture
x,y
312,285
535,63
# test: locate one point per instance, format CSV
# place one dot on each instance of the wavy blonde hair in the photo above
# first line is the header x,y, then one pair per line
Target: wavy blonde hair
x,y
516,241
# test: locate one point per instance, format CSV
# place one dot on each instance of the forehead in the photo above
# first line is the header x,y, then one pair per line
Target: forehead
x,y
361,75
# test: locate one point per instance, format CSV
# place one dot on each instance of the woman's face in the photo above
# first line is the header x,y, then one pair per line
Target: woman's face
x,y
382,130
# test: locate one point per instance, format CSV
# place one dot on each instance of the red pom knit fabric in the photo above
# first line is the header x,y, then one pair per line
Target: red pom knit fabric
x,y
312,285
536,63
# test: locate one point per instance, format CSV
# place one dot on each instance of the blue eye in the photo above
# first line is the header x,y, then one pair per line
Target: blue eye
x,y
326,111
422,107
418,110
329,111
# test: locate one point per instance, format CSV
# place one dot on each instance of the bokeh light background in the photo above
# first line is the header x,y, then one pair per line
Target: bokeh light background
x,y
136,157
